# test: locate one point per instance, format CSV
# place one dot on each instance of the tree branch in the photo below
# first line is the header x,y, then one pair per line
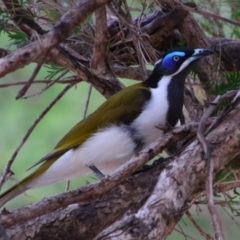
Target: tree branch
x,y
88,219
92,191
185,176
62,29
195,37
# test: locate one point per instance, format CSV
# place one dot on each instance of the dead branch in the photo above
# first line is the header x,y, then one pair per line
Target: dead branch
x,y
87,219
62,29
176,184
205,235
195,37
93,191
24,89
48,82
216,221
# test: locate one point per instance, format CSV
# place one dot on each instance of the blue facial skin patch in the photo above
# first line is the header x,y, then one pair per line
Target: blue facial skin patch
x,y
168,61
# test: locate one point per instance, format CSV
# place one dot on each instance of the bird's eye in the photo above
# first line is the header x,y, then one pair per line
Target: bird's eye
x,y
176,58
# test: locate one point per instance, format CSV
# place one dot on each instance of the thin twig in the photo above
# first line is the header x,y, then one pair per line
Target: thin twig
x,y
48,85
201,129
67,186
71,80
182,233
216,221
136,39
99,58
206,115
208,14
137,44
9,164
229,215
87,101
22,91
205,235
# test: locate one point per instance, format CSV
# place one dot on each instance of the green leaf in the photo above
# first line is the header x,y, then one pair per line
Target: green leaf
x,y
53,70
233,82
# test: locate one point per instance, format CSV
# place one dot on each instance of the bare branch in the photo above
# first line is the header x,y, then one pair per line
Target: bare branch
x,y
51,83
208,14
87,220
99,58
63,28
205,235
216,221
71,80
22,91
177,183
195,37
100,188
206,115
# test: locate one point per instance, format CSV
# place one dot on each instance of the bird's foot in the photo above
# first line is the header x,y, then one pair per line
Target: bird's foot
x,y
97,172
165,128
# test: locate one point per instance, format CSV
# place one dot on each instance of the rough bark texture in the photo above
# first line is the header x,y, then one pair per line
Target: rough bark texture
x,y
92,191
177,184
84,221
149,204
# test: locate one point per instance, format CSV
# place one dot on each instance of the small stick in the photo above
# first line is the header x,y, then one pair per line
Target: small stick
x,y
22,92
208,14
49,84
73,79
205,235
216,221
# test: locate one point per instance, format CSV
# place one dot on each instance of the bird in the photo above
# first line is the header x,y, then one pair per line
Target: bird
x,y
122,126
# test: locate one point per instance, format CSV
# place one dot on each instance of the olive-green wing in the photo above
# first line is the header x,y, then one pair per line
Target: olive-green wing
x,y
124,106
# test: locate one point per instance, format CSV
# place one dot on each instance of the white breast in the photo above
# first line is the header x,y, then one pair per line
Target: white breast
x,y
107,150
154,114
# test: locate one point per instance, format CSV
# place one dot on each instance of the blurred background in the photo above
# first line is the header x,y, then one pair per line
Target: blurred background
x,y
18,115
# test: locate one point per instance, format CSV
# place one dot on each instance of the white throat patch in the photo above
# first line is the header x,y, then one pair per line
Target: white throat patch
x,y
154,113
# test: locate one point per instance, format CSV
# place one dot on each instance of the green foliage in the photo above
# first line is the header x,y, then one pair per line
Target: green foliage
x,y
4,18
147,5
17,37
225,175
232,83
53,70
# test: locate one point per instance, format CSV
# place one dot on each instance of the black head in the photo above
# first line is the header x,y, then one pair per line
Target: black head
x,y
178,61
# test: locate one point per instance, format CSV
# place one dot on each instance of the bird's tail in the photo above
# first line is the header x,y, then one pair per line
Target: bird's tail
x,y
17,189
26,183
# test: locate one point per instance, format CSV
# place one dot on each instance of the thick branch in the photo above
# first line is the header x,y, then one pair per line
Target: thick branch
x,y
86,220
93,191
177,184
180,181
195,37
63,28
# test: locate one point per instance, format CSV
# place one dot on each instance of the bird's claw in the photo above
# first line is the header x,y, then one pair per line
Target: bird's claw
x,y
97,172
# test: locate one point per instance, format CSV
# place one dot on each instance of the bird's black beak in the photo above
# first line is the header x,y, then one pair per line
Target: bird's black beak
x,y
201,52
